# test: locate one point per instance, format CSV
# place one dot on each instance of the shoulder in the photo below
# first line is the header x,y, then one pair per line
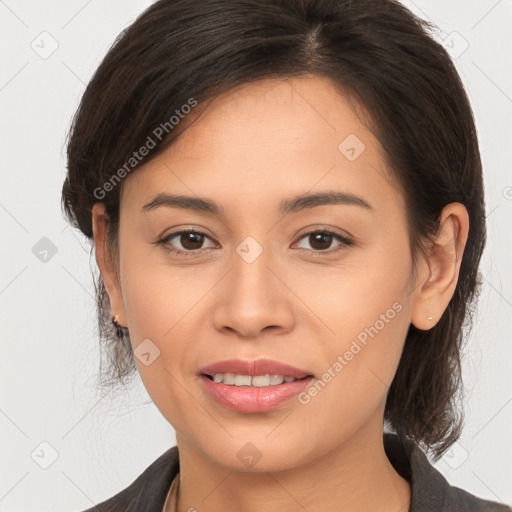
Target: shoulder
x,y
460,500
430,491
148,491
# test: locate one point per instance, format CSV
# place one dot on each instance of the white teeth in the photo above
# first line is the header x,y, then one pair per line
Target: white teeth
x,y
259,381
229,378
276,379
243,380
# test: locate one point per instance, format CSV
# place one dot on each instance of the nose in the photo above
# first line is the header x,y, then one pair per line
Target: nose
x,y
253,297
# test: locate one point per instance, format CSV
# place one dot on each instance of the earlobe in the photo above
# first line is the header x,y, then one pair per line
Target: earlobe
x,y
442,267
107,267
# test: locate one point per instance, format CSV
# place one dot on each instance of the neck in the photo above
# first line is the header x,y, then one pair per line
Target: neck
x,y
355,476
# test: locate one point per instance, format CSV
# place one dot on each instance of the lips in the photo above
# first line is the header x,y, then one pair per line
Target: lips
x,y
253,398
253,368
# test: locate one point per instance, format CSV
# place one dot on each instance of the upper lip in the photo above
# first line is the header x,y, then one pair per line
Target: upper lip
x,y
252,368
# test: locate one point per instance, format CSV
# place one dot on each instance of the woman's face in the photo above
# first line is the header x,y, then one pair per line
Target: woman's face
x,y
265,281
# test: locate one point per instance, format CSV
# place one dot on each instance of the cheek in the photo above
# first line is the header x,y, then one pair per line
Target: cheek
x,y
163,304
368,292
156,295
367,311
361,365
156,306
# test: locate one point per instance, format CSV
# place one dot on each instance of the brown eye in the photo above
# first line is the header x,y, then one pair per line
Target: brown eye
x,y
186,243
321,241
191,240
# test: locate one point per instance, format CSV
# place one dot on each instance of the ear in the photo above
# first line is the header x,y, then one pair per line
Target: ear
x,y
107,266
440,272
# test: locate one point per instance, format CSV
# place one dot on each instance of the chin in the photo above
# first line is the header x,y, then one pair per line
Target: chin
x,y
253,454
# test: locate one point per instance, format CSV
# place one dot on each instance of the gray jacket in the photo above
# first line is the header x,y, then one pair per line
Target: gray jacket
x,y
430,491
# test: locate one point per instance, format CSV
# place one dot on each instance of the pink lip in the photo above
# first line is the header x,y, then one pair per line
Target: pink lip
x,y
254,399
257,367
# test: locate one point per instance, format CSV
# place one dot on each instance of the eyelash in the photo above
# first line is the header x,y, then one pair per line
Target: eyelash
x,y
345,242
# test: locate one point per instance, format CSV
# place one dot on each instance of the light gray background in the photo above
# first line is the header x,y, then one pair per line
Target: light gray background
x,y
49,360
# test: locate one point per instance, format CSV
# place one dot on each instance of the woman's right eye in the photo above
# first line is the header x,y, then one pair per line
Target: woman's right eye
x,y
190,240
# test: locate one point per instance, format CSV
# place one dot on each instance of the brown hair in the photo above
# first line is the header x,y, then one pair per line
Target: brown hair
x,y
379,54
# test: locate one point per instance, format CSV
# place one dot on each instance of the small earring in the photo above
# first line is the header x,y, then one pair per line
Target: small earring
x,y
119,328
429,318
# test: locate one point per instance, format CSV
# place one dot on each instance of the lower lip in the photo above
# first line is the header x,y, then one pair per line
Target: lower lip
x,y
253,399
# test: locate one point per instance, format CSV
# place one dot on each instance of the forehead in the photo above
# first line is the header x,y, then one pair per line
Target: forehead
x,y
273,114
274,137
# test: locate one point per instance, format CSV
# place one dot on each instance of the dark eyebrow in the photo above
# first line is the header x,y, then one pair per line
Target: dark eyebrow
x,y
308,201
197,204
297,204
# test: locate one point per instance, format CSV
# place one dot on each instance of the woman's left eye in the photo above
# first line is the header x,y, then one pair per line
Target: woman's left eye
x,y
191,242
323,240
